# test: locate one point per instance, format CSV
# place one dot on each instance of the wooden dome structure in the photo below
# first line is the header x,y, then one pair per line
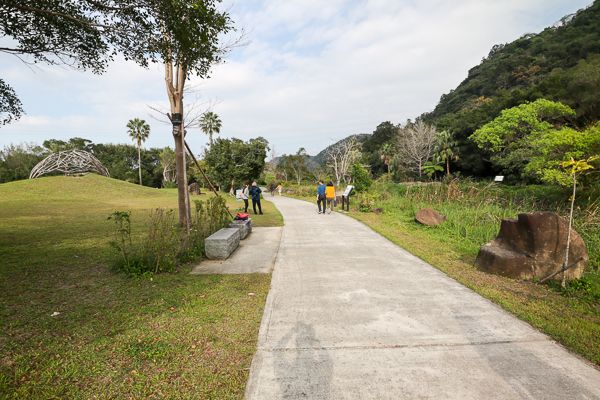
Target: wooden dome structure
x,y
69,162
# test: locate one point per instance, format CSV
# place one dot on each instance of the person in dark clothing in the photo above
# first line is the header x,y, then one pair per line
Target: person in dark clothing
x,y
255,193
321,196
272,189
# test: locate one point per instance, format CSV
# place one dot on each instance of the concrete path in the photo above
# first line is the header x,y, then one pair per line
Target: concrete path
x,y
255,255
350,315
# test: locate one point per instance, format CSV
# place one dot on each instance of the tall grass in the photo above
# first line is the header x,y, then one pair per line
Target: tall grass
x,y
166,245
474,211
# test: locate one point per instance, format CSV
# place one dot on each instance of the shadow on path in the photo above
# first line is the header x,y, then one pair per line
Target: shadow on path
x,y
302,367
527,374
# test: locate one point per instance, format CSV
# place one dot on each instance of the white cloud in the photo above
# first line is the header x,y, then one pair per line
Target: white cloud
x,y
314,71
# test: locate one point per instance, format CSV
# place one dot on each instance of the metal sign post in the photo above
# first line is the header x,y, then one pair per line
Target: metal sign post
x,y
346,197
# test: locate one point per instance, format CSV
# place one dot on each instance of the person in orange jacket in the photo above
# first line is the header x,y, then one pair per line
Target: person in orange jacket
x,y
330,193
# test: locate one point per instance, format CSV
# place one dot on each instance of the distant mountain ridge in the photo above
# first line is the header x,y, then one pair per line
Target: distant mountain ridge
x,y
321,158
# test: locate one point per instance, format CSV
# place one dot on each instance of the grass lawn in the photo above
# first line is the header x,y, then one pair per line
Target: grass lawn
x,y
174,336
573,320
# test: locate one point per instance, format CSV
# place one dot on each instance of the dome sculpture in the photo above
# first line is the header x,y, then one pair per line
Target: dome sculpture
x,y
69,162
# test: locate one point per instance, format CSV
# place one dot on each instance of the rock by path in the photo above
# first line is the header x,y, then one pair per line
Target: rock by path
x,y
350,315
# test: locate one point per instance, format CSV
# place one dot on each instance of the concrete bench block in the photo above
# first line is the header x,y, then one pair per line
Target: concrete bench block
x,y
222,243
245,227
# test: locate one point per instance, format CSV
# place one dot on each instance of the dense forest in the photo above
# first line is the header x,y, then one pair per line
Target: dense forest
x,y
560,64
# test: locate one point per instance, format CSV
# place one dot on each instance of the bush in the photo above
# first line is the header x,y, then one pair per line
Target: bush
x,y
166,245
362,181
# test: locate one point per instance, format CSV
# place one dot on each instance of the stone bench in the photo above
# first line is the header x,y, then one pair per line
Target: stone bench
x,y
222,243
245,227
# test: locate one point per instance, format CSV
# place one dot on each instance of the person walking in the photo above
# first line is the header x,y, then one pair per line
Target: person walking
x,y
330,194
321,197
279,189
246,195
255,193
272,189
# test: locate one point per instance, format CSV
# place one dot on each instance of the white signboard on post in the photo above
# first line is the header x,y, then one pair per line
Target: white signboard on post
x,y
348,190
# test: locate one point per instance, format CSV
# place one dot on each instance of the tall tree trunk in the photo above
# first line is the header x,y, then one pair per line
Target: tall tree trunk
x,y
140,163
448,165
232,189
175,80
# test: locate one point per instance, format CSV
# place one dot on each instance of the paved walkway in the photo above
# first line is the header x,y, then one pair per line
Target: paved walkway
x,y
255,255
350,315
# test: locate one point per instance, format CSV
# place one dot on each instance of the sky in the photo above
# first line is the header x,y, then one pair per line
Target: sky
x,y
313,73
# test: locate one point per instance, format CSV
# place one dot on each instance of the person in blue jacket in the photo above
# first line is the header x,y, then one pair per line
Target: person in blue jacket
x,y
321,196
255,193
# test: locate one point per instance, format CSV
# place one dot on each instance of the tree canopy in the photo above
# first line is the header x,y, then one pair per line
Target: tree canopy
x,y
233,161
87,34
534,140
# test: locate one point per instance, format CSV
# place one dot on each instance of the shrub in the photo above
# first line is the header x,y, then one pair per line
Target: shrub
x,y
362,181
166,245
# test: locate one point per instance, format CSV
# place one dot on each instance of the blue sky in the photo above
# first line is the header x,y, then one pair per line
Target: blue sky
x,y
314,72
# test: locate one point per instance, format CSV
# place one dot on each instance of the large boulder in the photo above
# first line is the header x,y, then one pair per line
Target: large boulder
x,y
533,246
429,217
194,189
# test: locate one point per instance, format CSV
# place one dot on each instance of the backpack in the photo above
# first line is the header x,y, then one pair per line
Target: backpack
x,y
241,217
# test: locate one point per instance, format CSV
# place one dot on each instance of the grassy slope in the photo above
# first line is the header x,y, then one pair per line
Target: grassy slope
x,y
180,335
572,321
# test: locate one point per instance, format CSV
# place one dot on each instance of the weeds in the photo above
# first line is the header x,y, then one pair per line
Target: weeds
x,y
122,232
165,245
163,240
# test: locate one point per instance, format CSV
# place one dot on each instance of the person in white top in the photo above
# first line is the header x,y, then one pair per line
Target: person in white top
x,y
246,196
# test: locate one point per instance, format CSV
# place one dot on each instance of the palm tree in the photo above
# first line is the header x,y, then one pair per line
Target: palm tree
x,y
386,155
210,123
445,147
138,131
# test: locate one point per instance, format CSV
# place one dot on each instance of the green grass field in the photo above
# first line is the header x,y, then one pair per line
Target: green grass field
x,y
172,336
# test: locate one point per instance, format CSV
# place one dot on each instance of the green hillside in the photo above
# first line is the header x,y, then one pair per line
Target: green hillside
x,y
87,187
543,62
561,63
72,329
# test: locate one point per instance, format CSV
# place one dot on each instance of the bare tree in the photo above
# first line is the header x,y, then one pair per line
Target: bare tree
x,y
415,143
167,161
296,163
341,156
192,111
273,159
192,33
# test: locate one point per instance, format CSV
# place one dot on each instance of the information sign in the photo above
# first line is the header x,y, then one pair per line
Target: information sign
x,y
348,190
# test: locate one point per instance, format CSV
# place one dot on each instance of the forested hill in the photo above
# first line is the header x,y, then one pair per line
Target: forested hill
x,y
321,158
548,64
562,64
